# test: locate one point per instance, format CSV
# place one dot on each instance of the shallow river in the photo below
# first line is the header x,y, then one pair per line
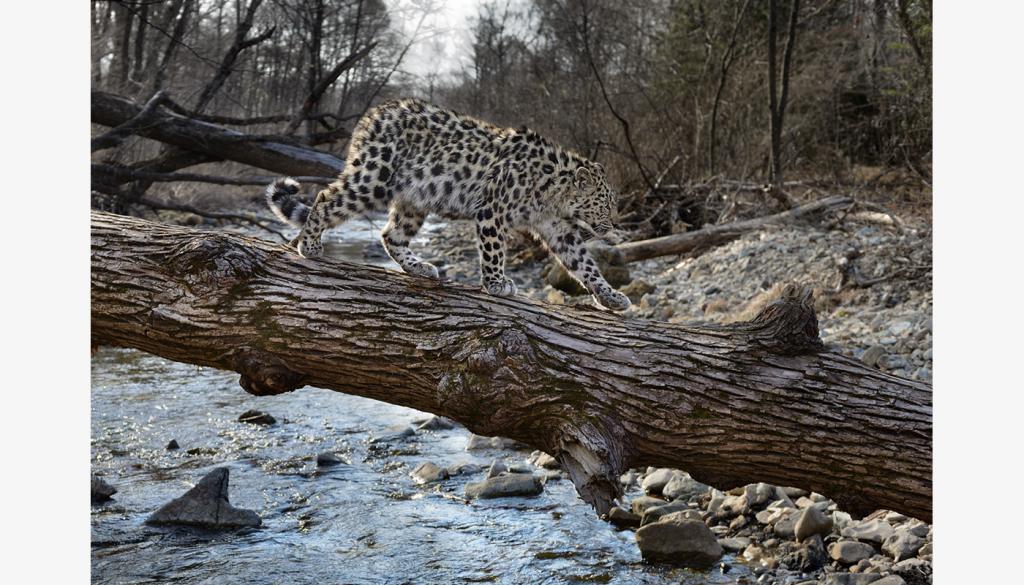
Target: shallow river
x,y
364,521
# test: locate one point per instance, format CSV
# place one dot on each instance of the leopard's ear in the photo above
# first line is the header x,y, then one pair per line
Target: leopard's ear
x,y
584,177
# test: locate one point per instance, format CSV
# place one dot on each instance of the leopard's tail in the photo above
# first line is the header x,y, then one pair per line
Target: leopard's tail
x,y
281,200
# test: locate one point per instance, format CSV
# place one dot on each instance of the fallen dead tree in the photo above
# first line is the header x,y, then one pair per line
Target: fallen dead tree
x,y
274,154
755,401
688,242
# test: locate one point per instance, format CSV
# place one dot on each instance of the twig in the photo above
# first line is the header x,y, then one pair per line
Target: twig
x,y
116,135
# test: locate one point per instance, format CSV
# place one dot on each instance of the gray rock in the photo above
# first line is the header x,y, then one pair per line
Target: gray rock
x,y
914,571
428,472
256,417
172,445
758,495
684,487
497,468
543,460
871,355
902,544
785,526
436,423
737,523
656,481
505,486
477,442
688,543
328,460
206,506
793,493
101,490
639,505
808,556
851,578
733,506
849,552
891,580
464,468
623,518
393,434
670,513
873,531
812,521
734,544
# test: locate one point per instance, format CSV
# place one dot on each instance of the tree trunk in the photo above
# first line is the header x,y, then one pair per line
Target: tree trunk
x,y
697,240
731,404
215,141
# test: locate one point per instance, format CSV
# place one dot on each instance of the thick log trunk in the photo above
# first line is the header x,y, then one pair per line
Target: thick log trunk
x,y
756,401
215,141
697,240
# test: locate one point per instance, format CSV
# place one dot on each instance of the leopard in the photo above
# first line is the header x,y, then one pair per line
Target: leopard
x,y
412,158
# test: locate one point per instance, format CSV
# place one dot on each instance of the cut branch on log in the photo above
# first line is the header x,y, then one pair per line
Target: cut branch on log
x,y
731,404
215,141
688,242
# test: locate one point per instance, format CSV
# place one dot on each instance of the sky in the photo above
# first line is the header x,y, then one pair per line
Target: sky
x,y
442,40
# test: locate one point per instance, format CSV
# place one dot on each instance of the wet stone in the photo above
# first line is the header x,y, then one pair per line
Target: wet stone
x,y
436,423
257,417
428,472
172,445
393,434
511,485
206,506
688,543
101,491
623,518
328,460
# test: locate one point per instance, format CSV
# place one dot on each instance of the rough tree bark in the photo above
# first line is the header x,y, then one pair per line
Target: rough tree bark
x,y
215,141
755,401
716,235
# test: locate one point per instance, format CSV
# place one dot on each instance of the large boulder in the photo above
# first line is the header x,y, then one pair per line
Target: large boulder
x,y
689,543
503,486
206,506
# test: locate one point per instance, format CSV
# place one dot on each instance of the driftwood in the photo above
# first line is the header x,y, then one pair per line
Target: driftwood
x,y
688,242
273,154
732,404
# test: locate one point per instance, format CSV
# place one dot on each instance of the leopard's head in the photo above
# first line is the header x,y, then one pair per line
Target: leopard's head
x,y
595,203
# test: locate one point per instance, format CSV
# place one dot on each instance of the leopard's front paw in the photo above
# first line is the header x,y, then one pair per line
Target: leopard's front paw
x,y
423,269
613,300
501,287
310,249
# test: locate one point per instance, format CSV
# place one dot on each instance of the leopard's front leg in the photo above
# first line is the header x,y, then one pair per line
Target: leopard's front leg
x,y
565,241
491,232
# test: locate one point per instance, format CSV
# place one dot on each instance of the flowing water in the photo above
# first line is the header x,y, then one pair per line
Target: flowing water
x,y
364,521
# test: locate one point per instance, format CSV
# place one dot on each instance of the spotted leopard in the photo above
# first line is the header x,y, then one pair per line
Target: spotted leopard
x,y
415,158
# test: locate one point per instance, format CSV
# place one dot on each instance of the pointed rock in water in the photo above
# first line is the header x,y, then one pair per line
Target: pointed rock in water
x,y
688,543
328,460
496,469
206,506
513,484
256,417
393,433
436,423
173,445
101,490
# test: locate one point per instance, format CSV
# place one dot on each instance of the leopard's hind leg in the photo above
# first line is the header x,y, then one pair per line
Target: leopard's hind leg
x,y
403,224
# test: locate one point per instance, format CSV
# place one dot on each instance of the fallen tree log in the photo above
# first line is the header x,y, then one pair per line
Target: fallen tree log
x,y
731,404
688,242
215,141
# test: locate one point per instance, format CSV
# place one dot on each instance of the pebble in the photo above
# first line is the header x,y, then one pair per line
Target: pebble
x,y
172,445
849,552
428,472
328,460
392,434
